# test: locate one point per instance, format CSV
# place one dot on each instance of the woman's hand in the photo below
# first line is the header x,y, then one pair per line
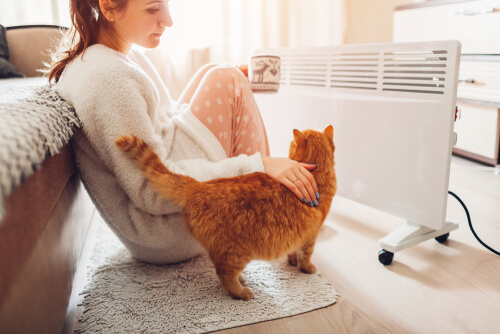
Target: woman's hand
x,y
295,176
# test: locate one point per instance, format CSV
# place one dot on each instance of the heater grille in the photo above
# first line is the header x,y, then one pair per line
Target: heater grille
x,y
308,70
354,70
408,71
415,71
285,64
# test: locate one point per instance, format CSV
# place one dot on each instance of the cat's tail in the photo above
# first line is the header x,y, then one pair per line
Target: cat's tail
x,y
173,186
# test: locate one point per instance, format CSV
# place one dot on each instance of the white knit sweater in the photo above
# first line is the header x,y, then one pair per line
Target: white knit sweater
x,y
115,95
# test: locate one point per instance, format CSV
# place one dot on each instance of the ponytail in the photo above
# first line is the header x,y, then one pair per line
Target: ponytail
x,y
86,22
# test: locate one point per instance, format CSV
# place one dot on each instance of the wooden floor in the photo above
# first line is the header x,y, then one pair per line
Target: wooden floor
x,y
429,288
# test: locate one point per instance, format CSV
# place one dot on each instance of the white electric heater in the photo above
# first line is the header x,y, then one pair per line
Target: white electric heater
x,y
392,106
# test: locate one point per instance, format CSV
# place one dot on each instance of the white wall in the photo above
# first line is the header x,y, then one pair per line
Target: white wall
x,y
29,12
370,21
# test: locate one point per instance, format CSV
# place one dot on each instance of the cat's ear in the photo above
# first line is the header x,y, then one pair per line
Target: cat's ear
x,y
299,137
329,132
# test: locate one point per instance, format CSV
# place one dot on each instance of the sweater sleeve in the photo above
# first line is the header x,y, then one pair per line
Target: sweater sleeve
x,y
123,109
204,170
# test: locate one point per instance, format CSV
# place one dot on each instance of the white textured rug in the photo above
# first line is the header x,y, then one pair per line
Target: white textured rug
x,y
126,296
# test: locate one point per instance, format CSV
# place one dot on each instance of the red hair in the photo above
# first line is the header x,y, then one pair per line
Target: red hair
x,y
87,20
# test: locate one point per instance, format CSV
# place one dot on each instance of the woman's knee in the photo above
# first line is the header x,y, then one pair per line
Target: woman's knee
x,y
226,72
205,68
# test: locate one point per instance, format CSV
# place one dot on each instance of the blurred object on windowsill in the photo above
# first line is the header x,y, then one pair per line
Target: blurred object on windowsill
x,y
244,69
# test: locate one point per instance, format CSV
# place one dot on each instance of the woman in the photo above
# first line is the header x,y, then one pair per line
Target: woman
x,y
214,130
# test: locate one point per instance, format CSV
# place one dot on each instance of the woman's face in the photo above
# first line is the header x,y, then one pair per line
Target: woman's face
x,y
142,22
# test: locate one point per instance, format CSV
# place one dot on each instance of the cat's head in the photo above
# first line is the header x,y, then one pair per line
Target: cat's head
x,y
313,146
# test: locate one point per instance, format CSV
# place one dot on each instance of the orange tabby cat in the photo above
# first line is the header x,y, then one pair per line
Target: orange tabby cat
x,y
248,217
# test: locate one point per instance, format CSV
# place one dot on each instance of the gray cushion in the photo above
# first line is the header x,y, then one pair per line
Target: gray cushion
x,y
7,70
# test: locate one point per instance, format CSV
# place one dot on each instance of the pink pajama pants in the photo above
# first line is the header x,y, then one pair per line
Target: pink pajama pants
x,y
221,98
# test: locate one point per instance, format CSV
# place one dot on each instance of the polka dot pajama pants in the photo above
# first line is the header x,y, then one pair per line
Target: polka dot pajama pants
x,y
221,98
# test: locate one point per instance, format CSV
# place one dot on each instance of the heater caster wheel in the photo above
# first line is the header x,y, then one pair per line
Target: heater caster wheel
x,y
442,238
385,257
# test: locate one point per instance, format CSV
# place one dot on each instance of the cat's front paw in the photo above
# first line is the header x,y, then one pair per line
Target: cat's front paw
x,y
293,259
245,294
308,268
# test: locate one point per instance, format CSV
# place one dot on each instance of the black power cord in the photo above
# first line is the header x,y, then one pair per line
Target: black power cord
x,y
470,224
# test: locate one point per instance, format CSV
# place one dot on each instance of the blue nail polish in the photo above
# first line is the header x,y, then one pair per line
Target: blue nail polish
x,y
316,202
304,200
310,204
317,195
